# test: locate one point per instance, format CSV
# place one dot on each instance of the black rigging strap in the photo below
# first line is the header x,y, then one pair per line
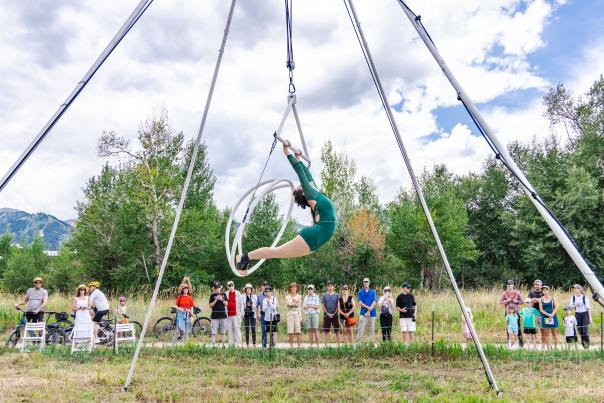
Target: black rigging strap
x,y
290,64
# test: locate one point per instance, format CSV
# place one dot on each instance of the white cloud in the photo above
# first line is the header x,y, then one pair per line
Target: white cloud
x,y
167,62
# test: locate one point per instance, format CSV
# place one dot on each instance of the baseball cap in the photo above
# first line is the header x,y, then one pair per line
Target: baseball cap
x,y
365,280
230,283
265,283
527,301
578,287
406,285
545,286
568,308
248,285
311,287
216,284
538,282
510,282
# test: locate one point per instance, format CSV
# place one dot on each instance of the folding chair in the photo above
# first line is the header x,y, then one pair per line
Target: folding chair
x,y
124,332
82,337
30,335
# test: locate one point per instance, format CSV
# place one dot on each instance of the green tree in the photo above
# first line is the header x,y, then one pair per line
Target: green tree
x,y
410,239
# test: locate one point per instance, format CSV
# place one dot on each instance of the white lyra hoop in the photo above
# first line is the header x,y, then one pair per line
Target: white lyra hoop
x,y
266,187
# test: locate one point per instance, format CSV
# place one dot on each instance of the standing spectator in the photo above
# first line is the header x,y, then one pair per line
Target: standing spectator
x,y
367,299
530,316
548,308
36,299
271,316
465,327
98,300
511,298
80,306
260,313
346,308
250,303
218,306
386,304
535,295
406,306
184,310
293,300
582,313
234,313
511,320
329,302
312,306
570,327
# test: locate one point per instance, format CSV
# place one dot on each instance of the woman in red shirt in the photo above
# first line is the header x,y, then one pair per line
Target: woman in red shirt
x,y
184,310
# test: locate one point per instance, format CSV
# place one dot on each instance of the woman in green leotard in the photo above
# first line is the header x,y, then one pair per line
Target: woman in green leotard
x,y
310,238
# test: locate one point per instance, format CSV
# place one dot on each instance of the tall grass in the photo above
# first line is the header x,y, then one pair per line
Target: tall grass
x,y
488,314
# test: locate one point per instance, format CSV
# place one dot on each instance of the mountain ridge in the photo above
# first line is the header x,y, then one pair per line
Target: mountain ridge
x,y
25,226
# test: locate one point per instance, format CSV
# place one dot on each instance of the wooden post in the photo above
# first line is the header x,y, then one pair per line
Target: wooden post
x,y
432,338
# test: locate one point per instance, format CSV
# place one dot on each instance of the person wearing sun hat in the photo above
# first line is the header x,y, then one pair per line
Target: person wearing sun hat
x,y
36,299
250,304
312,306
293,300
184,310
81,307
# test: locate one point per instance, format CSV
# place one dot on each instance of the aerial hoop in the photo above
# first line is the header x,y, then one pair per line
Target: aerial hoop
x,y
267,186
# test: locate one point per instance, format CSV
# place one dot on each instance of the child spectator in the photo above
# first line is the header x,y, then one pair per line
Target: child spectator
x,y
530,317
511,319
465,329
121,311
570,327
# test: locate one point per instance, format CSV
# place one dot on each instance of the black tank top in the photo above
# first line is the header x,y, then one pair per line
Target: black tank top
x,y
346,306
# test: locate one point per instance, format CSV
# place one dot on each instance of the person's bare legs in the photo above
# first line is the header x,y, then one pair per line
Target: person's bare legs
x,y
291,340
297,247
299,338
555,337
545,337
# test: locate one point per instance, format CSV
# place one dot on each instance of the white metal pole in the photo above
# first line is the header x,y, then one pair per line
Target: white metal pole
x,y
420,195
183,196
121,33
556,227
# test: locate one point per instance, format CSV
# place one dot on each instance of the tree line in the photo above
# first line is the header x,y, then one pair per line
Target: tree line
x,y
489,228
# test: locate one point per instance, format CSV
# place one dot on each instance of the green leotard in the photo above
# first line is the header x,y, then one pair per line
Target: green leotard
x,y
322,231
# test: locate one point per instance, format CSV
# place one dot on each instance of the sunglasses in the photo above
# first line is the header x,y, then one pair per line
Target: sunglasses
x,y
231,285
37,282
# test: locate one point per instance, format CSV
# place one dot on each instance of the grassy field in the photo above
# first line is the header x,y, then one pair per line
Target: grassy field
x,y
488,315
389,372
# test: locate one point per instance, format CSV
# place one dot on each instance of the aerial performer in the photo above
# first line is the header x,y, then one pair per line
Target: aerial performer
x,y
310,239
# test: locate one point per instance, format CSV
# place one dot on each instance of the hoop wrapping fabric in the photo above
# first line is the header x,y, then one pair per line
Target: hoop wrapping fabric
x,y
267,186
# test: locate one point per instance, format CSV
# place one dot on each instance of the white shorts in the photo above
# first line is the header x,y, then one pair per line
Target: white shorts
x,y
407,324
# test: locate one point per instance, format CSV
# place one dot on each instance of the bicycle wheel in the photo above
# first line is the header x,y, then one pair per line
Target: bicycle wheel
x,y
138,328
56,336
202,327
164,328
13,338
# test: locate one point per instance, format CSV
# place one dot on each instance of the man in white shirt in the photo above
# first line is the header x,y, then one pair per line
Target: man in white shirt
x,y
98,300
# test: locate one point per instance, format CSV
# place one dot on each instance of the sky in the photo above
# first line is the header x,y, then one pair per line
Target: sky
x,y
505,53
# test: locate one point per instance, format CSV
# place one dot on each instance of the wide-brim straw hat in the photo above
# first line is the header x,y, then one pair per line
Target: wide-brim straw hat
x,y
84,286
248,285
292,285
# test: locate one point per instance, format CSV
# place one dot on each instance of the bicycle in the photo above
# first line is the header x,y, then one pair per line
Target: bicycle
x,y
164,327
55,332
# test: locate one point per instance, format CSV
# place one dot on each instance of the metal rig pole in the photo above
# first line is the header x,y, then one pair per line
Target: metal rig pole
x,y
420,196
554,224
